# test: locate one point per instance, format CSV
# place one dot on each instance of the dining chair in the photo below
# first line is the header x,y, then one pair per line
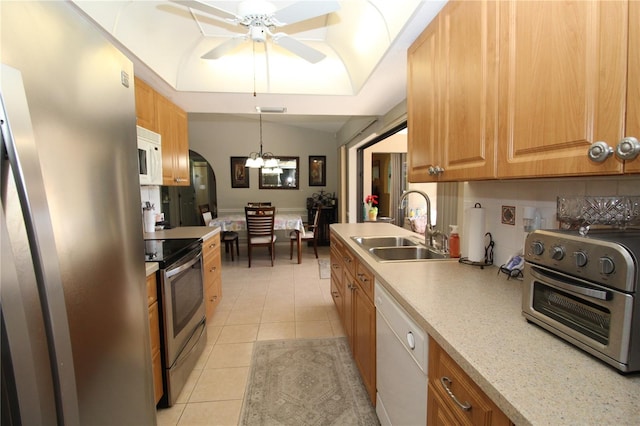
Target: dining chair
x,y
310,234
204,208
260,229
259,204
229,238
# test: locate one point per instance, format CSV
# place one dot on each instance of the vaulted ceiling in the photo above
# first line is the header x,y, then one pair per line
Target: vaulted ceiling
x,y
364,42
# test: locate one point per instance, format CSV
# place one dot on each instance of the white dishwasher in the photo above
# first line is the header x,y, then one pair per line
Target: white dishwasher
x,y
402,354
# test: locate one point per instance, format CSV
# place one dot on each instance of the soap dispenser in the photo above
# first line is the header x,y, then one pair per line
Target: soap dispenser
x,y
454,241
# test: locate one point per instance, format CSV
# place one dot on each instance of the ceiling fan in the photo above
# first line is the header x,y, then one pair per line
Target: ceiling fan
x,y
261,17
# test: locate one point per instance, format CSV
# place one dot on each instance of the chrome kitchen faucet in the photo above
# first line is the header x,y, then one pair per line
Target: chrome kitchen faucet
x,y
429,232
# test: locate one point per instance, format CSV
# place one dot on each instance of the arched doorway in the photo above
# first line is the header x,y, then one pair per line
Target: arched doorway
x,y
180,203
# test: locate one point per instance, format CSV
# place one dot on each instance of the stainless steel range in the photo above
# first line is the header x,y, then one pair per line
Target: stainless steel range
x,y
585,289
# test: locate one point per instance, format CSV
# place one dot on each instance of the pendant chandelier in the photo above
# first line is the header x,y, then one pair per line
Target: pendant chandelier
x,y
257,160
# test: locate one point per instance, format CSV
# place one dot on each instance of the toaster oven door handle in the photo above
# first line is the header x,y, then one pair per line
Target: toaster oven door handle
x,y
576,288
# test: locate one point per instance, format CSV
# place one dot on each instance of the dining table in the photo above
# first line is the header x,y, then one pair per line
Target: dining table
x,y
282,221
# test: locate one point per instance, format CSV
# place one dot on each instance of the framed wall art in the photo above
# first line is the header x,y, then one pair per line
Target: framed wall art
x,y
317,170
239,173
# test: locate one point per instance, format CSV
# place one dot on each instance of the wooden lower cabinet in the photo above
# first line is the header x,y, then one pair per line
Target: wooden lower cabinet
x,y
212,274
471,405
154,329
354,300
364,339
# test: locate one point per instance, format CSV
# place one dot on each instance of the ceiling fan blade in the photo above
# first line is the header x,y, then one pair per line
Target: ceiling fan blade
x,y
207,8
224,48
294,46
304,10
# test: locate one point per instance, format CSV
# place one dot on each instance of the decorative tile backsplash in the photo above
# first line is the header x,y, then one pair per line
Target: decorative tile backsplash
x,y
541,194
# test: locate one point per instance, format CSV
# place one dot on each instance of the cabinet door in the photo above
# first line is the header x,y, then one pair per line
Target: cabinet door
x,y
633,83
364,340
468,109
172,125
422,110
181,160
562,86
145,105
164,111
348,284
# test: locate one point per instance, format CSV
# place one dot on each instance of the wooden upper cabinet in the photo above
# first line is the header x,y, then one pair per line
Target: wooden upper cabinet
x,y
452,100
469,103
181,165
157,113
172,125
422,108
563,83
145,105
633,83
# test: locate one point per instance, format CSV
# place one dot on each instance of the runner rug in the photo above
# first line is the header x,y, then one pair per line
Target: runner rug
x,y
305,382
325,268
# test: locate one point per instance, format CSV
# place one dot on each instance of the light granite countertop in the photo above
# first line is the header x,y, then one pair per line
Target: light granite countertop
x,y
476,316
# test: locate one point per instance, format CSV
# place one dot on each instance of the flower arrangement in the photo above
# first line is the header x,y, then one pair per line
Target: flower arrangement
x,y
370,201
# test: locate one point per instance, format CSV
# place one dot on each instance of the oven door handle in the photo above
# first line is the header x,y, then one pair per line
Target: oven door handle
x,y
574,288
175,271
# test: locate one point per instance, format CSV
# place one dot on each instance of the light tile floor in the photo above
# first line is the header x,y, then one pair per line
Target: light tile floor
x,y
288,301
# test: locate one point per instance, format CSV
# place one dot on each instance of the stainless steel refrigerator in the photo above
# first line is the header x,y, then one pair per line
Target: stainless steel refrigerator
x,y
75,328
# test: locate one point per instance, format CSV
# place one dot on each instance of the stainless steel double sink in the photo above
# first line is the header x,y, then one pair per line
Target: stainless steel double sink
x,y
399,249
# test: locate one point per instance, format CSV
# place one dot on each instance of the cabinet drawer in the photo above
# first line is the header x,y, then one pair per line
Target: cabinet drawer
x,y
212,267
211,246
152,290
443,371
154,327
212,298
365,279
336,264
157,376
338,298
348,260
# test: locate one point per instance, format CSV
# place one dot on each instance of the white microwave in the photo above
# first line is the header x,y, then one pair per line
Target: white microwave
x,y
149,157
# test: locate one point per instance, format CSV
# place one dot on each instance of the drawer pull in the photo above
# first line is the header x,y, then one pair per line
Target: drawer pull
x,y
446,382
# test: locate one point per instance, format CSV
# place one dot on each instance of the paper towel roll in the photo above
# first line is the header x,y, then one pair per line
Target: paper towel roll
x,y
474,223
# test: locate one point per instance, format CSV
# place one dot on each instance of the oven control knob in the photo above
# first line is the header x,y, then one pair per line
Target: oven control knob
x,y
581,258
557,253
607,266
537,247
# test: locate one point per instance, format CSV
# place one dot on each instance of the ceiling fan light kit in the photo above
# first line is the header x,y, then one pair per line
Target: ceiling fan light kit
x,y
259,17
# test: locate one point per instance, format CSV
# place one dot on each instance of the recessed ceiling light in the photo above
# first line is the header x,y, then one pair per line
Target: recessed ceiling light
x,y
267,109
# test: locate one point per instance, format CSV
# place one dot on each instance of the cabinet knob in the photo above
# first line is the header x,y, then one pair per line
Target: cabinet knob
x,y
435,170
628,148
600,151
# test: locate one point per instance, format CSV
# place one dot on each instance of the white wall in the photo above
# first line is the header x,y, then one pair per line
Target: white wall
x,y
218,137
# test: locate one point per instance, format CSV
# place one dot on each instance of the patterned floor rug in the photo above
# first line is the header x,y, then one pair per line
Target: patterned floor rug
x,y
325,268
305,382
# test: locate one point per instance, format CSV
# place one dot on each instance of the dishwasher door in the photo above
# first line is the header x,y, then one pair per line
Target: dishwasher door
x,y
402,354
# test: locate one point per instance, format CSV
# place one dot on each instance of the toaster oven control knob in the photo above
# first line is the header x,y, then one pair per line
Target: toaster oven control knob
x,y
557,253
581,258
607,266
537,247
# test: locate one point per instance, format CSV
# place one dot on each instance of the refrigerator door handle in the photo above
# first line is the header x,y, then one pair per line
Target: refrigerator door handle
x,y
18,140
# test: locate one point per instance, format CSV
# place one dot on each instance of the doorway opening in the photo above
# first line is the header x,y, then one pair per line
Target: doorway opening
x,y
181,203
